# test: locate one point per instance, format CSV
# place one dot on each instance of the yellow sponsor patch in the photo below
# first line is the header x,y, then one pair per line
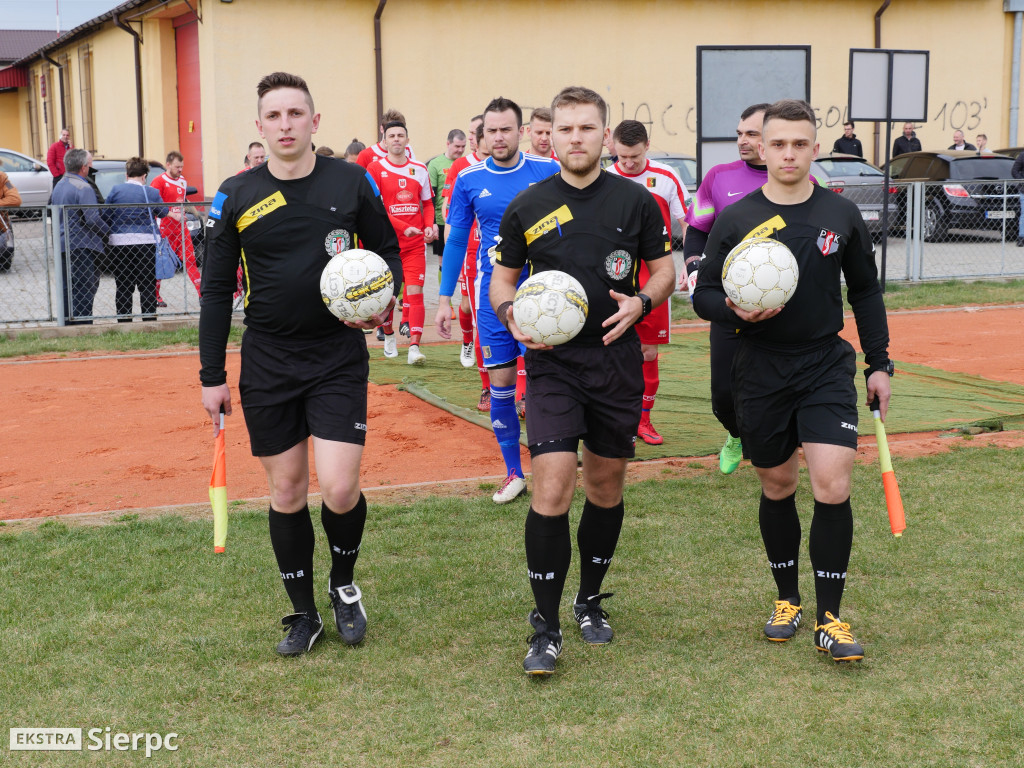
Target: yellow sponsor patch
x,y
553,220
774,224
261,209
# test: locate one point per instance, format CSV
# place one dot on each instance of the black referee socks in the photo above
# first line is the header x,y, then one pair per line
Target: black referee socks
x,y
344,535
596,537
292,539
830,542
780,531
548,553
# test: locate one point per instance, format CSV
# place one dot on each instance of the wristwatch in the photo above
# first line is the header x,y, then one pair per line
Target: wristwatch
x,y
888,367
646,301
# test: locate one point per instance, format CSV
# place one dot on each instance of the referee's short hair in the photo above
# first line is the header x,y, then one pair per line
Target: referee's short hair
x,y
276,80
501,104
630,133
576,94
793,110
456,134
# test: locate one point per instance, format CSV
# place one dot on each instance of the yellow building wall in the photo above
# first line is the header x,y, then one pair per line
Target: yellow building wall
x,y
13,120
641,56
443,60
113,94
327,42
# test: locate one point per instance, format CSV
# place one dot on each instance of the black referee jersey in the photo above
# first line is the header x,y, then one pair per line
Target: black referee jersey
x,y
283,233
826,234
598,235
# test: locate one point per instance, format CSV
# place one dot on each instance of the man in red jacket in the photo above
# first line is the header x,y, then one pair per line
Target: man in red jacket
x,y
55,154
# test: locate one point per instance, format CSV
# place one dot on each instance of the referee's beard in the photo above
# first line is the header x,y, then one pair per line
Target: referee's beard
x,y
580,166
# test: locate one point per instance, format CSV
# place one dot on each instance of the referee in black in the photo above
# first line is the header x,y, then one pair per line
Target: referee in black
x,y
304,373
793,376
597,227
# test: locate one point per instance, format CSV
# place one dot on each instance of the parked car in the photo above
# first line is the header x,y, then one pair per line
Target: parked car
x,y
1010,151
971,195
857,180
30,177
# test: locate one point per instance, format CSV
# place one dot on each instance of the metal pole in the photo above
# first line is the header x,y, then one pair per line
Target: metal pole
x,y
1015,77
55,213
885,183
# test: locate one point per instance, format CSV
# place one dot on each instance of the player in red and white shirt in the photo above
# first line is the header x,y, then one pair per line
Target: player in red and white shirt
x,y
172,186
467,276
630,145
379,150
409,201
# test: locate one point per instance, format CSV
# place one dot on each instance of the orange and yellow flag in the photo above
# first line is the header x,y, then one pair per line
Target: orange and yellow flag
x,y
219,492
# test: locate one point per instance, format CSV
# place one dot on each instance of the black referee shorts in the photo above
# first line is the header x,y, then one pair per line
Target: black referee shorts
x,y
591,392
293,388
785,400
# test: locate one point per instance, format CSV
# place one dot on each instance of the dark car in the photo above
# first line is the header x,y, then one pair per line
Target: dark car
x,y
107,173
972,193
857,180
1010,151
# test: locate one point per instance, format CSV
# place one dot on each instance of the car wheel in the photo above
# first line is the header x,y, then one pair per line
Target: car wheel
x,y
934,225
6,259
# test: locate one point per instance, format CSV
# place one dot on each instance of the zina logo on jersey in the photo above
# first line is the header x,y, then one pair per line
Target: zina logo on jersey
x,y
618,264
828,242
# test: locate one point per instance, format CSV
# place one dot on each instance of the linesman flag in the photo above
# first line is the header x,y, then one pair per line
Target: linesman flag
x,y
219,492
893,500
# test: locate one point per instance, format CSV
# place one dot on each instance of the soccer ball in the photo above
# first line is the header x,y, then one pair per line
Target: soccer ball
x,y
760,273
356,284
550,307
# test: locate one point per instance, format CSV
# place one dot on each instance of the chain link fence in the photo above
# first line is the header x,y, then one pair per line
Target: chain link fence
x,y
105,271
936,231
954,230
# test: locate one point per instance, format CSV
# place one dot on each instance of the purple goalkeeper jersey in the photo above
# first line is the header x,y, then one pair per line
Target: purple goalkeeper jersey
x,y
722,186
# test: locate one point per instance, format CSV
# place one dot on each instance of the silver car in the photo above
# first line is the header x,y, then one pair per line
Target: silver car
x,y
31,178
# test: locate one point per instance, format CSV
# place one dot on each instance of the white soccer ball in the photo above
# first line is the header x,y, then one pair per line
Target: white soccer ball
x,y
550,307
356,284
760,273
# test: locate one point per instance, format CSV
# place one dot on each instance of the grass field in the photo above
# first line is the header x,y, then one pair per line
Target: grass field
x,y
137,625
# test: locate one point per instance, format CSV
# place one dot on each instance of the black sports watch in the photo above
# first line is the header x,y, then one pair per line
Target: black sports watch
x,y
647,306
888,367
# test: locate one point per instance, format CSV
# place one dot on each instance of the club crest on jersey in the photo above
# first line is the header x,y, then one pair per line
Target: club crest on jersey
x,y
337,241
618,264
652,182
401,183
828,242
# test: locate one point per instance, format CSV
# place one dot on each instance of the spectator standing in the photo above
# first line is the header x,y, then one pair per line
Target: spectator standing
x,y
81,237
908,142
9,198
133,241
56,153
437,171
960,143
848,143
982,144
1018,173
